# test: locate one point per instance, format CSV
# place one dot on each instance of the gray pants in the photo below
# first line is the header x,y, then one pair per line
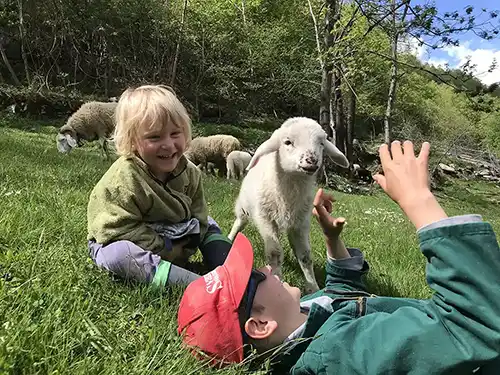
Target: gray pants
x,y
125,259
128,261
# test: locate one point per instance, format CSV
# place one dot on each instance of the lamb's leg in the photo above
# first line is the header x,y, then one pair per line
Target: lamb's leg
x,y
240,222
104,148
299,242
229,170
272,247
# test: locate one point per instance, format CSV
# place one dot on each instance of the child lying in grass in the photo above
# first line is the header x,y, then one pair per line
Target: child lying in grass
x,y
343,329
148,215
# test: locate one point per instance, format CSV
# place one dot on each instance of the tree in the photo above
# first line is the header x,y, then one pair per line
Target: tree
x,y
424,24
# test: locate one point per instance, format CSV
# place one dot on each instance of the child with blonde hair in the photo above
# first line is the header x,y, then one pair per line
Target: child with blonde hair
x,y
148,215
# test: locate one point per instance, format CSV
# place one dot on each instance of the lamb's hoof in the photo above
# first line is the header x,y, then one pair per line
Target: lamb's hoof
x,y
311,288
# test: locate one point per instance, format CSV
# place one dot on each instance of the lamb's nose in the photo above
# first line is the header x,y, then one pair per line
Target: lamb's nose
x,y
312,160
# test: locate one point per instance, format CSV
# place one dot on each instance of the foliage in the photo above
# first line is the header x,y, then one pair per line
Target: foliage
x,y
238,60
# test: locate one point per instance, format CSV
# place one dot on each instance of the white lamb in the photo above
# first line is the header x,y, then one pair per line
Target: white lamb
x,y
278,191
214,148
236,163
92,121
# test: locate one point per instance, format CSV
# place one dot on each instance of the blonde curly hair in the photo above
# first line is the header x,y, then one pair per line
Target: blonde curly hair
x,y
147,107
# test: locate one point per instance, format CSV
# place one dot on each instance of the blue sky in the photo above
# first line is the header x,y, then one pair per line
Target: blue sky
x,y
481,52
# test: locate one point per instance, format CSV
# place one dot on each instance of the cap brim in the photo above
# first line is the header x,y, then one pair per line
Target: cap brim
x,y
238,265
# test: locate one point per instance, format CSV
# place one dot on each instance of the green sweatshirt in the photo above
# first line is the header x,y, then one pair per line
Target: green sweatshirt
x,y
456,331
128,197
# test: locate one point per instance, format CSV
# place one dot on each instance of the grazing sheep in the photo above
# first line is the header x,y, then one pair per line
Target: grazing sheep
x,y
214,148
236,162
92,121
278,191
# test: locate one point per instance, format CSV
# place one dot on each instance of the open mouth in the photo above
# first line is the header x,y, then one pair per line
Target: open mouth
x,y
165,157
310,169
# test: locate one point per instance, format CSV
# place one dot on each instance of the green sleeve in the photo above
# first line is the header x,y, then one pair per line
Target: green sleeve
x,y
344,279
199,208
114,214
454,332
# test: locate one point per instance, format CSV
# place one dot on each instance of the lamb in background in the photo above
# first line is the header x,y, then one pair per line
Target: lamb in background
x,y
92,121
278,191
214,148
236,163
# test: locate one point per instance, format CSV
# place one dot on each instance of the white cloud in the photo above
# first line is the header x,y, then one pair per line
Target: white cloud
x,y
412,45
482,58
439,63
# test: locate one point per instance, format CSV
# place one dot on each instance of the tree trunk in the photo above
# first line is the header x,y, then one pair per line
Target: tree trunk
x,y
178,47
351,116
9,67
338,107
391,98
22,33
326,73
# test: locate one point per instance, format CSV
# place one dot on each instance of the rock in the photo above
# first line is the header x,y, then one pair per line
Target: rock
x,y
447,169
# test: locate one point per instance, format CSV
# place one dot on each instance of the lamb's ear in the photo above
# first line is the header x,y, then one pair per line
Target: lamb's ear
x,y
60,141
71,141
337,156
271,145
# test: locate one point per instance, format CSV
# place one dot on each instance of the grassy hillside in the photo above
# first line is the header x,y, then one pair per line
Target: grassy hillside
x,y
59,314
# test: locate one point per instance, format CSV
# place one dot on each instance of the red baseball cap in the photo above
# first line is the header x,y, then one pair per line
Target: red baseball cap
x,y
208,312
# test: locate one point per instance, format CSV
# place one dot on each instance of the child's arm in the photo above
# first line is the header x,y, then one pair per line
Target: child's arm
x,y
114,214
458,329
344,267
199,208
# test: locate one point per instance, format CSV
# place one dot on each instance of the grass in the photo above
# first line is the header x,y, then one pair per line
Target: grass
x,y
60,315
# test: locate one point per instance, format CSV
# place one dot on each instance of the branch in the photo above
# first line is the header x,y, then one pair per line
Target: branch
x,y
380,20
417,68
348,25
318,45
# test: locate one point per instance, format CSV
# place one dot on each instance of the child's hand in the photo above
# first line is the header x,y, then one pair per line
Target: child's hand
x,y
405,177
323,205
406,181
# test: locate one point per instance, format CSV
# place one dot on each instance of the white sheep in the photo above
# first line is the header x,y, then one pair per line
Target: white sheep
x,y
278,191
92,121
214,148
236,163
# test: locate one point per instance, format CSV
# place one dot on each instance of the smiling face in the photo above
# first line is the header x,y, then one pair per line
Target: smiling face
x,y
301,148
153,124
161,148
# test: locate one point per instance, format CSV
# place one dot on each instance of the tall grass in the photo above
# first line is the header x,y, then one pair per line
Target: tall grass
x,y
60,314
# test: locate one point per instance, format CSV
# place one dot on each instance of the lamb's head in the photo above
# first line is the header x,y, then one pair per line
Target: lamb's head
x,y
65,142
300,143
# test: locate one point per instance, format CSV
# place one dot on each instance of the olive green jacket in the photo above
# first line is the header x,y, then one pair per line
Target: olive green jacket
x,y
128,197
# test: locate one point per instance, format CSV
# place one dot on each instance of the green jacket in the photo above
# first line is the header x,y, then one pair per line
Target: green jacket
x,y
128,197
456,331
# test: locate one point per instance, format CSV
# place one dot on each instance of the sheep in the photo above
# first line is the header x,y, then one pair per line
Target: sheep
x,y
92,121
278,191
236,163
214,148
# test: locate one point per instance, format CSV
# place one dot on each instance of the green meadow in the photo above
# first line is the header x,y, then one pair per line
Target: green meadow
x,y
59,314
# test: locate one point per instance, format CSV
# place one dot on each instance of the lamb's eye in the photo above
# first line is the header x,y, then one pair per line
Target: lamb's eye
x,y
288,142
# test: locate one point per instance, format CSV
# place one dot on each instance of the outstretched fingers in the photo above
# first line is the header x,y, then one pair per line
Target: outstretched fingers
x,y
424,153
